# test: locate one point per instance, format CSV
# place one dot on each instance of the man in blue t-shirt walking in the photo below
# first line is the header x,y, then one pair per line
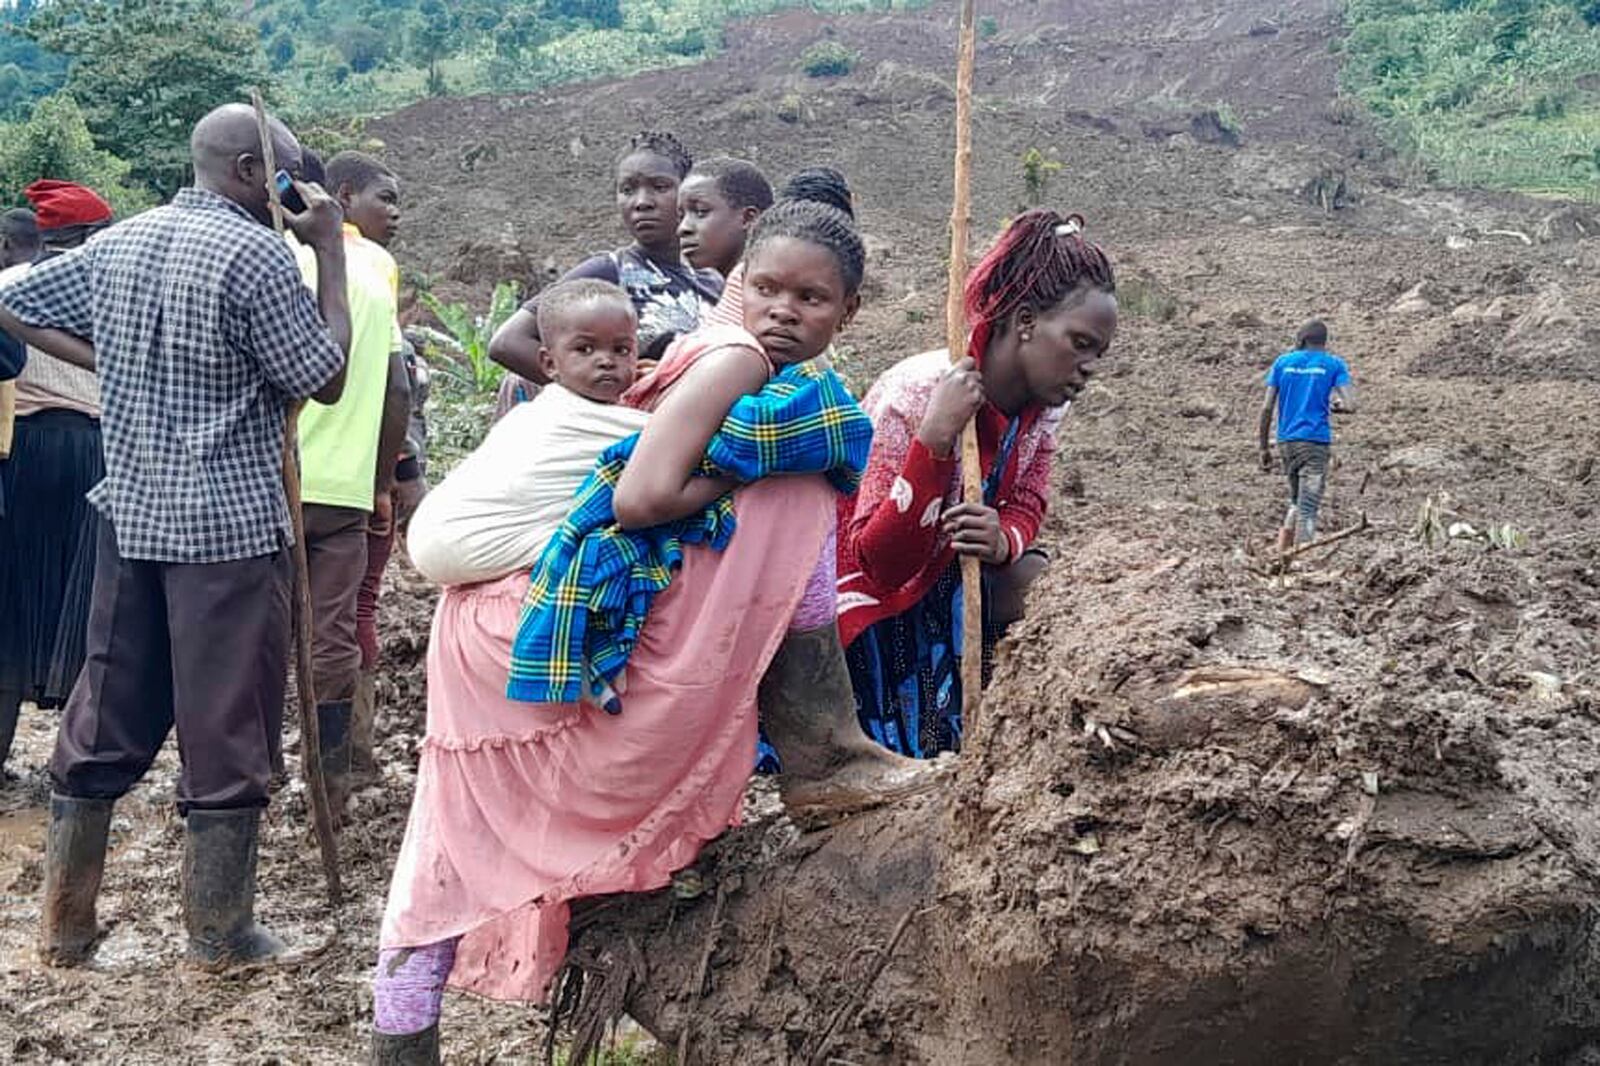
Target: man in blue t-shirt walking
x,y
1303,386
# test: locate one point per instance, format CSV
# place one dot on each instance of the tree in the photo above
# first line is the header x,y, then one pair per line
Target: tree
x,y
144,71
55,142
603,14
281,50
518,32
432,38
362,46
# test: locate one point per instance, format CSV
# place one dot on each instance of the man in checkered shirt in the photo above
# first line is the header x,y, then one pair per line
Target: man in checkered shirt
x,y
204,332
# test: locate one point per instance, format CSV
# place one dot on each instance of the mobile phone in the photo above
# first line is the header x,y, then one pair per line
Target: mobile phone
x,y
288,195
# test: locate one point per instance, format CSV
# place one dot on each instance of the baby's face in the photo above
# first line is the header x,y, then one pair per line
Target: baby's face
x,y
592,349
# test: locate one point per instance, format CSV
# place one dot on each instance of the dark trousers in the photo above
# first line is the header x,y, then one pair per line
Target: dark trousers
x,y
336,563
203,646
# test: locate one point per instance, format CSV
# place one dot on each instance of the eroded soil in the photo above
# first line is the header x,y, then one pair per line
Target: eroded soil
x,y
1203,141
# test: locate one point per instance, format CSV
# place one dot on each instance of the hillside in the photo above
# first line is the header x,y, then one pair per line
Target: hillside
x,y
1487,93
1219,910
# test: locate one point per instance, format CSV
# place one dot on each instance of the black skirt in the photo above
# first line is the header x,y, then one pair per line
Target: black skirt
x,y
47,539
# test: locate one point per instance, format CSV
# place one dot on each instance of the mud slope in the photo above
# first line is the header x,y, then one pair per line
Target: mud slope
x,y
1215,863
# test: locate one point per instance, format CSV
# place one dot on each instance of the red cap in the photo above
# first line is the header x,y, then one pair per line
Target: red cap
x,y
61,203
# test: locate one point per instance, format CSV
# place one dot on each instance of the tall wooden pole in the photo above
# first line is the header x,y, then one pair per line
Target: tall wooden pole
x,y
956,337
310,734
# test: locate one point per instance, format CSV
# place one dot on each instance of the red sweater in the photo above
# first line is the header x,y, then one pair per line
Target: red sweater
x,y
891,550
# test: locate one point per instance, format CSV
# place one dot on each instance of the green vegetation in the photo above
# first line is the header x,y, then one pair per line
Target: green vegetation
x,y
142,71
1496,93
466,350
1037,170
56,142
465,380
828,59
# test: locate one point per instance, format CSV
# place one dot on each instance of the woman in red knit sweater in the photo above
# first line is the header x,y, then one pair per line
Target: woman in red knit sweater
x,y
1042,310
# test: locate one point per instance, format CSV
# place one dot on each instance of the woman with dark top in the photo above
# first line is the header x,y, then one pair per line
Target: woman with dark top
x,y
669,295
47,538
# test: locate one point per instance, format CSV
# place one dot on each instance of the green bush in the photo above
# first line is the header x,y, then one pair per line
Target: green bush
x,y
1482,92
467,359
828,59
1037,170
55,143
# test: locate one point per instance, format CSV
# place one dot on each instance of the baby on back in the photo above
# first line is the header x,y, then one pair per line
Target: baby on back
x,y
495,512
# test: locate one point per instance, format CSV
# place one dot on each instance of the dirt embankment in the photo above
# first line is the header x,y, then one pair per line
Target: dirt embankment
x,y
1211,817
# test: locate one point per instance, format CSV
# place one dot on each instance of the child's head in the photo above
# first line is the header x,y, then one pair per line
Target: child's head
x,y
720,201
649,171
588,338
1312,336
824,185
802,279
369,192
1042,309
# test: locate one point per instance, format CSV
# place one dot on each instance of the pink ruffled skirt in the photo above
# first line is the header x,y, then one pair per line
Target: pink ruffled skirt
x,y
520,808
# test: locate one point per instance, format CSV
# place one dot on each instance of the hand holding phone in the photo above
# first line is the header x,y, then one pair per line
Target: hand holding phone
x,y
288,195
313,216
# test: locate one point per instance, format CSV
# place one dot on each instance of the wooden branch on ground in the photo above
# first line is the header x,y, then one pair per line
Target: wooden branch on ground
x,y
847,1012
1281,563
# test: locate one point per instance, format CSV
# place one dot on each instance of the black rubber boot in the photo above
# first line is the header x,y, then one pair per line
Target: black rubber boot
x,y
830,767
333,736
219,890
10,711
416,1049
75,863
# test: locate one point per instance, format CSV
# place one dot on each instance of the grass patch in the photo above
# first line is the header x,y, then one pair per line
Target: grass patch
x,y
828,59
1493,93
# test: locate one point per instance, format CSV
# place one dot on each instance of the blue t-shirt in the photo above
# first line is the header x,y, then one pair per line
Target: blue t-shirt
x,y
1305,380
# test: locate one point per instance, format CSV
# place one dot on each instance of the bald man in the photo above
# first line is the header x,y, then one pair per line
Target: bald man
x,y
204,333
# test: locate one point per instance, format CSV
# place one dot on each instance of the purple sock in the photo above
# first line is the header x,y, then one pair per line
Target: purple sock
x,y
408,987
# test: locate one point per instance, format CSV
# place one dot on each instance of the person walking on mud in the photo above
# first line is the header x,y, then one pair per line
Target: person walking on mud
x,y
204,332
1303,387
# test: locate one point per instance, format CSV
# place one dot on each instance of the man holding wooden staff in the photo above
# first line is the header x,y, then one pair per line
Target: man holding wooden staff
x,y
204,332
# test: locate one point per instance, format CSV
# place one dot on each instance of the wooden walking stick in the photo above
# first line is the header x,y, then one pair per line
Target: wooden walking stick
x,y
310,735
955,317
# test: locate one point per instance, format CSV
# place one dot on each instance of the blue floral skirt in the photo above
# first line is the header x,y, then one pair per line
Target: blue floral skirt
x,y
906,671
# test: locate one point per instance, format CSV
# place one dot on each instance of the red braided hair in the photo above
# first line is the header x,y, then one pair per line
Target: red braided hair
x,y
1037,262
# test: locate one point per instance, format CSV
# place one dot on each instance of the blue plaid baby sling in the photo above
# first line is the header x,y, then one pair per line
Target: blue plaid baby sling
x,y
593,587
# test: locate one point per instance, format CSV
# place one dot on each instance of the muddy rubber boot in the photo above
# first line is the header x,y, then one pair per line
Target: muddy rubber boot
x,y
333,738
75,862
830,767
363,731
219,890
416,1049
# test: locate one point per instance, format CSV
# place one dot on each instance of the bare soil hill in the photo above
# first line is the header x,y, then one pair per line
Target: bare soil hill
x,y
1214,815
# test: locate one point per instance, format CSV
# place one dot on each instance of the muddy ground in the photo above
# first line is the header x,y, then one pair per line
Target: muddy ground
x,y
1205,142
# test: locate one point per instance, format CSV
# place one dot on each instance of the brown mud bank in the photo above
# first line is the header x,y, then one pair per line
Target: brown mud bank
x,y
1208,819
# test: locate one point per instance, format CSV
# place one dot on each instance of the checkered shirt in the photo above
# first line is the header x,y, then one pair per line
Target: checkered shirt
x,y
203,331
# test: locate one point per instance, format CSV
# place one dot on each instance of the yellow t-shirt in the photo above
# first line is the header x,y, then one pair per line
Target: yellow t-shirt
x,y
339,444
